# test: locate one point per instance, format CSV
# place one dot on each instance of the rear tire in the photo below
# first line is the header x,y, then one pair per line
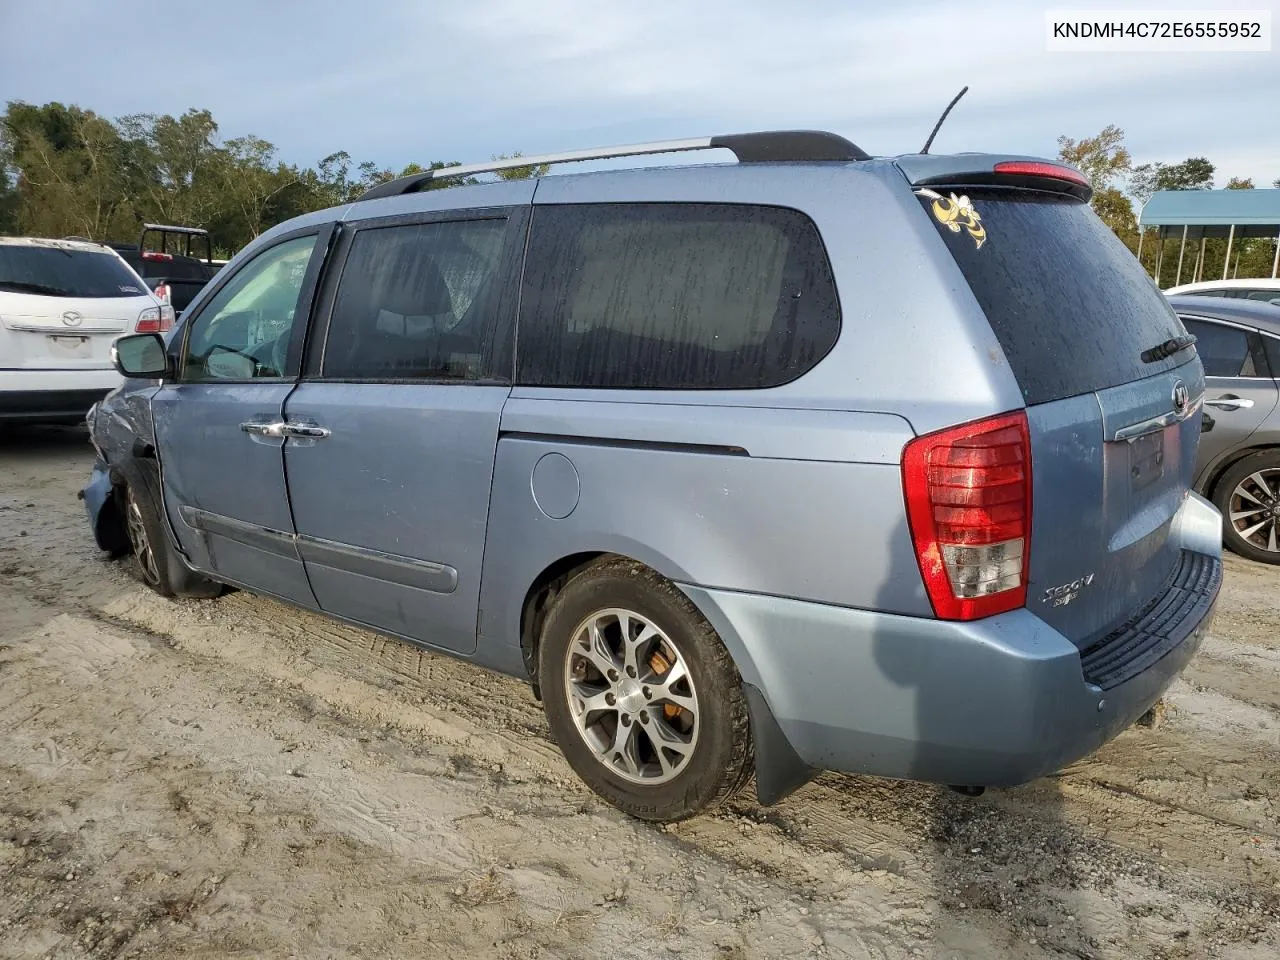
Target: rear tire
x,y
154,561
1249,492
641,695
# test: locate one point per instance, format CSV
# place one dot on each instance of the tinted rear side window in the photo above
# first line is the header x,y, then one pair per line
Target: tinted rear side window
x,y
58,272
1226,351
419,301
1272,347
674,296
1068,302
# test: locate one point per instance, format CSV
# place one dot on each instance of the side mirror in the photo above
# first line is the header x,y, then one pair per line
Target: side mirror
x,y
141,355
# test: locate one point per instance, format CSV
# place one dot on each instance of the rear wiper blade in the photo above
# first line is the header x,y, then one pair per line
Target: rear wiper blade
x,y
33,287
1168,348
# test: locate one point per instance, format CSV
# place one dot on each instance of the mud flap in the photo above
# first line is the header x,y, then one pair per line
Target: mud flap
x,y
779,770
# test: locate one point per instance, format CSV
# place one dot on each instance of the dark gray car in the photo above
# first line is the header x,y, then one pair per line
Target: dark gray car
x,y
1239,461
815,460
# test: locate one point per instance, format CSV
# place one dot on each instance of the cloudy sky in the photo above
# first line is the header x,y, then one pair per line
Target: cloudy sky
x,y
417,80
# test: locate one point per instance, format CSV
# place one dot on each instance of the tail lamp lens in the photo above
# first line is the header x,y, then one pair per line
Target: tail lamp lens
x,y
155,319
968,494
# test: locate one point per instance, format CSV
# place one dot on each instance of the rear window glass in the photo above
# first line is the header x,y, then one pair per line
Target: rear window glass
x,y
1068,302
674,296
59,272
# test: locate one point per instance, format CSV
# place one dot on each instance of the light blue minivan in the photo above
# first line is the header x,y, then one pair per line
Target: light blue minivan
x,y
809,461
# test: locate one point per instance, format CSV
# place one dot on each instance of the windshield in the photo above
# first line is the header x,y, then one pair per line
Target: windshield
x,y
1069,303
60,272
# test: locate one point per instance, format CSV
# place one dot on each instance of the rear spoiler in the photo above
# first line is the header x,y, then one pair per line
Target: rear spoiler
x,y
994,170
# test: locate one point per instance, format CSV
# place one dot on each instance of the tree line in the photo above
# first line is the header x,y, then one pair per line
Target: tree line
x,y
66,171
1117,183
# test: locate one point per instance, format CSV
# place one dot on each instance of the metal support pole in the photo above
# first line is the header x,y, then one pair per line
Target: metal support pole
x,y
1200,262
1230,240
1182,249
1159,255
1141,236
1276,262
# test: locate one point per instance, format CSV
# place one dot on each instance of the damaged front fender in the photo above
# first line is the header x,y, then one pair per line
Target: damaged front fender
x,y
120,430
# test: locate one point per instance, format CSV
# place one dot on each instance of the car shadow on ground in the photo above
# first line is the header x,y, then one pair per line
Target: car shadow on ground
x,y
998,868
1000,872
15,438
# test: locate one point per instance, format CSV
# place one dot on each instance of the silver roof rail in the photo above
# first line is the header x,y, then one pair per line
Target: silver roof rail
x,y
770,146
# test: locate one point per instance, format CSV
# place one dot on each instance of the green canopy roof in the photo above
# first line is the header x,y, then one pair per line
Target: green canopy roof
x,y
1211,213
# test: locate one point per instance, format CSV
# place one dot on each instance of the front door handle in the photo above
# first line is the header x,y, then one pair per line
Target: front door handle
x,y
264,428
308,430
1230,402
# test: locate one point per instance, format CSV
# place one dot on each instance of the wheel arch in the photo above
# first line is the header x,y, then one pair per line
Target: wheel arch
x,y
779,770
1219,470
555,573
538,598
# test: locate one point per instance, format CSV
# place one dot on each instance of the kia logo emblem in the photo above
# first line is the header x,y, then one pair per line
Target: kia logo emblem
x,y
1181,399
71,318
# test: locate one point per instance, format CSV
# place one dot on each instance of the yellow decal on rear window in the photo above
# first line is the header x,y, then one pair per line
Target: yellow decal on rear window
x,y
956,214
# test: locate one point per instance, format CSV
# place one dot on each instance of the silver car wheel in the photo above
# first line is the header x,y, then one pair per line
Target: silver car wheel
x,y
631,696
138,538
1255,510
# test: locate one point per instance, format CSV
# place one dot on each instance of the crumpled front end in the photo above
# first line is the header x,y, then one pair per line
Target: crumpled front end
x,y
116,424
104,515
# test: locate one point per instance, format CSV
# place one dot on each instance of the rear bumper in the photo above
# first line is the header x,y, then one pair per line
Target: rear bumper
x,y
60,396
996,702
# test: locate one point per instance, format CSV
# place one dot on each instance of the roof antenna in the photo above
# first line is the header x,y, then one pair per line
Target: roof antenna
x,y
938,126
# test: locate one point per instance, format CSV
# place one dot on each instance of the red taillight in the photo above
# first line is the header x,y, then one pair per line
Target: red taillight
x,y
1038,168
155,320
156,255
968,492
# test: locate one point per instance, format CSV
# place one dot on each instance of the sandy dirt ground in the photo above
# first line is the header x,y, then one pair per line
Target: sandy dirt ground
x,y
232,778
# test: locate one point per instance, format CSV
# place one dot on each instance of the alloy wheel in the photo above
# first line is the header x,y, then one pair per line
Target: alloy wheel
x,y
1254,510
631,696
138,538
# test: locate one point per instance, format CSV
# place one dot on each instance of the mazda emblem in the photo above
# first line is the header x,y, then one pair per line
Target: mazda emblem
x,y
1181,399
71,318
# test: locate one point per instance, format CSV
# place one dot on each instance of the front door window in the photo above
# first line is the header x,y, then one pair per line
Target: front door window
x,y
243,332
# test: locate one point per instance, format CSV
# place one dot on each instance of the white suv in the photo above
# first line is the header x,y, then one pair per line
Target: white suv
x,y
1262,289
62,304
